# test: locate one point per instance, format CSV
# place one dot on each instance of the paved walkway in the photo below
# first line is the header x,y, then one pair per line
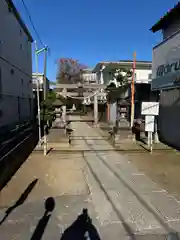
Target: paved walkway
x,y
122,194
123,202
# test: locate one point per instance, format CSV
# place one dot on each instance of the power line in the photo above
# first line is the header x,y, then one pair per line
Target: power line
x,y
33,26
16,67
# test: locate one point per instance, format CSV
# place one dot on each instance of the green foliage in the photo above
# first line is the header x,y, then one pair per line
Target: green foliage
x,y
47,109
123,75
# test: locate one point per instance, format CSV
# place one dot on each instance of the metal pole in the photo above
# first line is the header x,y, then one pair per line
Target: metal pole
x,y
132,90
45,95
38,97
156,137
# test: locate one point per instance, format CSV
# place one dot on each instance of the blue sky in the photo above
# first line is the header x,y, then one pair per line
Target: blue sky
x,y
94,30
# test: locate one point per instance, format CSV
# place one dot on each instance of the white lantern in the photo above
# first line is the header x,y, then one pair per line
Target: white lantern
x,y
73,107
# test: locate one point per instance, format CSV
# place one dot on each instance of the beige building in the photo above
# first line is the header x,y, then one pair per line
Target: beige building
x,y
15,66
143,75
88,76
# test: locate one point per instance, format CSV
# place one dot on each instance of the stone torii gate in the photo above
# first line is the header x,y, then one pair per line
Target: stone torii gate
x,y
97,90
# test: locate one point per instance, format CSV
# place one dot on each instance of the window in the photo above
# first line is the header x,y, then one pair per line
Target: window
x,y
22,81
20,32
150,76
21,46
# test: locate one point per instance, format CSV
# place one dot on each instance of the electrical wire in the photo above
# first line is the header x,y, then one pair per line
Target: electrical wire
x,y
14,66
33,26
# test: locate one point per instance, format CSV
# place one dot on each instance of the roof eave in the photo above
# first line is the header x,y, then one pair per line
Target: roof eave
x,y
166,18
157,27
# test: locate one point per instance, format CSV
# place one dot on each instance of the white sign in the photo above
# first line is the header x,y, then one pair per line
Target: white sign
x,y
150,108
166,58
149,123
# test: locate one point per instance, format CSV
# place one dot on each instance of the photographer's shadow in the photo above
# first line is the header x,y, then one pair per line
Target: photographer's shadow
x,y
81,229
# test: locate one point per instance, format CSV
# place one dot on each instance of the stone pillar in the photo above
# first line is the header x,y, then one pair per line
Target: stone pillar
x,y
95,110
64,107
108,112
113,113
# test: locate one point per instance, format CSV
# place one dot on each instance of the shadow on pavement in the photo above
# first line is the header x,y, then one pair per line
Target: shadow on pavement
x,y
21,200
49,207
13,161
81,229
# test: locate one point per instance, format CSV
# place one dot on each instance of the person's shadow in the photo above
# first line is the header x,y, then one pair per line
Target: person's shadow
x,y
49,207
81,229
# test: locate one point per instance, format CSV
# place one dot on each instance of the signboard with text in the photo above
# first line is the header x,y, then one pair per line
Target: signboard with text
x,y
166,63
149,123
150,108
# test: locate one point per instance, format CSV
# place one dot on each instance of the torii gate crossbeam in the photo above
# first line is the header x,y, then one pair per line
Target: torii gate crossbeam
x,y
84,86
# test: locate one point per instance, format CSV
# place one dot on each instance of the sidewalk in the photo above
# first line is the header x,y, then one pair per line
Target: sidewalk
x,y
122,201
59,176
125,142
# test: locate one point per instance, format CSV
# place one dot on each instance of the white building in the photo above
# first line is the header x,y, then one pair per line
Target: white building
x,y
166,76
41,89
105,70
41,82
16,102
143,74
88,76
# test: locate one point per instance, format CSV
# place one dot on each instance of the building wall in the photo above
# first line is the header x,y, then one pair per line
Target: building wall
x,y
143,75
113,113
166,53
89,78
165,71
107,77
16,68
169,116
171,29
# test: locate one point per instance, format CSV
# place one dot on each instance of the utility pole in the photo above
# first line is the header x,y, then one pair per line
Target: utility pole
x,y
132,89
45,93
45,96
38,97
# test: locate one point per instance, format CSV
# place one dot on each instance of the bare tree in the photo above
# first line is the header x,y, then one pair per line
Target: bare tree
x,y
69,71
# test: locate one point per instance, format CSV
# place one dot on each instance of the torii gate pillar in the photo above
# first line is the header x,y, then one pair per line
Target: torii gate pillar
x,y
95,110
